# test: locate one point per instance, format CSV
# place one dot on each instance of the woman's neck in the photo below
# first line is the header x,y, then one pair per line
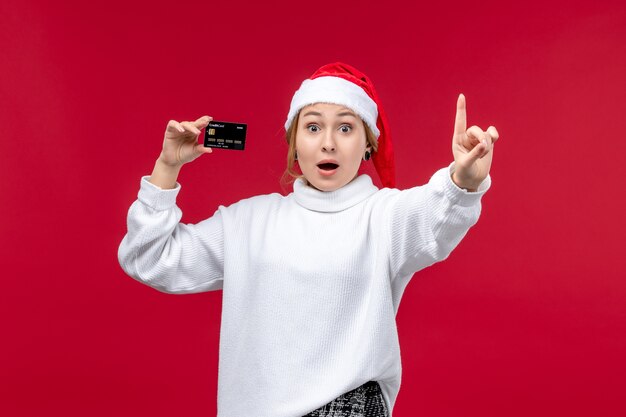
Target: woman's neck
x,y
344,197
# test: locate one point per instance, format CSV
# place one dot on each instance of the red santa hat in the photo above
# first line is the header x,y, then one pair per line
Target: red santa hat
x,y
342,84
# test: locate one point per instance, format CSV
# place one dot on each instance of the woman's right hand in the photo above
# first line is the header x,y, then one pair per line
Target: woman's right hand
x,y
180,144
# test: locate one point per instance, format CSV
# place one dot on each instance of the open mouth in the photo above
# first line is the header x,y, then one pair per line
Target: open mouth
x,y
328,166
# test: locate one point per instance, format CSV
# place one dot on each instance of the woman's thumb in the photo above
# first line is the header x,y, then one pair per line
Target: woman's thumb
x,y
476,153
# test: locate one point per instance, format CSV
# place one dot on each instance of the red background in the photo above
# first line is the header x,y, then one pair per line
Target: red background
x,y
526,317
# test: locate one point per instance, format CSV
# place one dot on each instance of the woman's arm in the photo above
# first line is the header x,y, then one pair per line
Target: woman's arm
x,y
158,250
428,222
165,254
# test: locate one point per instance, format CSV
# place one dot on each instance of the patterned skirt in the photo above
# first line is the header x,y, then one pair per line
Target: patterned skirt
x,y
364,401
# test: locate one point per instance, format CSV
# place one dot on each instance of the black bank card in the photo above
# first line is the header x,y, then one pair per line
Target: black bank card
x,y
225,135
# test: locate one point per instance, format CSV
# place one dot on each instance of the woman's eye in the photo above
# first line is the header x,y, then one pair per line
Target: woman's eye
x,y
313,128
346,128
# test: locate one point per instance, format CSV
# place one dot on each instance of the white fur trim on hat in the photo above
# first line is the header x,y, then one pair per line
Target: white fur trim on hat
x,y
335,90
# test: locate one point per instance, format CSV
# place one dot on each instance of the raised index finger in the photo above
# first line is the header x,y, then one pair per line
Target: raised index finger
x,y
460,122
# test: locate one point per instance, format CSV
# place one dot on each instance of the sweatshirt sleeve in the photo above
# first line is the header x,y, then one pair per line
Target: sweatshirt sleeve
x,y
165,254
429,221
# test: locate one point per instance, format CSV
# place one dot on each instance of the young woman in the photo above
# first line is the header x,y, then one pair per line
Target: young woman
x,y
311,281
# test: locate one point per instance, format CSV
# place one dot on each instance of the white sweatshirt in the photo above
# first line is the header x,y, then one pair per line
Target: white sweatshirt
x,y
311,281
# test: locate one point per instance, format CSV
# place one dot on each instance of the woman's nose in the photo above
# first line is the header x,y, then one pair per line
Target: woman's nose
x,y
329,143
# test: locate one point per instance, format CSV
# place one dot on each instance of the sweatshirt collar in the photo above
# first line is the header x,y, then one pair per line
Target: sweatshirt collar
x,y
332,201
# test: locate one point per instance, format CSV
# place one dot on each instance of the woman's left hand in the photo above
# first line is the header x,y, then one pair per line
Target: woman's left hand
x,y
472,149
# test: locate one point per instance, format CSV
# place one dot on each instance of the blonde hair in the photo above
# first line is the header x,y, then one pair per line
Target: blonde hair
x,y
290,137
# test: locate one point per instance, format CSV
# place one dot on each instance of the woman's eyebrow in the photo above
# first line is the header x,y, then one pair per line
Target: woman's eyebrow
x,y
314,113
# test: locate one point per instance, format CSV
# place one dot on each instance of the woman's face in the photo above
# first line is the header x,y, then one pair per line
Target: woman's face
x,y
330,142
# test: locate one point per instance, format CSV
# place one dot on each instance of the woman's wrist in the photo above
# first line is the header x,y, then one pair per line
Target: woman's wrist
x,y
461,185
164,175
